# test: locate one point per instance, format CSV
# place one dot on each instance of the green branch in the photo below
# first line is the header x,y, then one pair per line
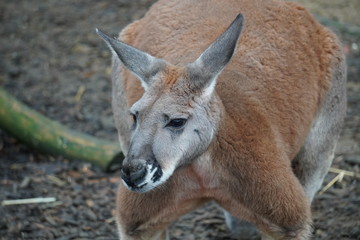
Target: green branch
x,y
51,137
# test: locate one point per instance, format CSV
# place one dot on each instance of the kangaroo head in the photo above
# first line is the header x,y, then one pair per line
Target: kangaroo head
x,y
176,118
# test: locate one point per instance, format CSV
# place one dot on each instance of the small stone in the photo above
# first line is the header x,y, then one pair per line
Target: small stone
x,y
50,220
90,215
25,182
90,203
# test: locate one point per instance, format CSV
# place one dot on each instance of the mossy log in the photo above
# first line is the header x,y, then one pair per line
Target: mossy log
x,y
51,137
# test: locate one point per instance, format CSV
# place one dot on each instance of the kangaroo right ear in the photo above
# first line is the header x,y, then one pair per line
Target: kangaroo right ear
x,y
213,60
142,64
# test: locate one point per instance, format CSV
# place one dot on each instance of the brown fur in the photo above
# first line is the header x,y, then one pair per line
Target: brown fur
x,y
172,75
268,96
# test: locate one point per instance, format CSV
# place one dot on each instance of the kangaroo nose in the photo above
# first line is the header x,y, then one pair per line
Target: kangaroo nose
x,y
133,175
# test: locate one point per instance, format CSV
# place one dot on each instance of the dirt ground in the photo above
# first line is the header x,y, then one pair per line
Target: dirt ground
x,y
49,50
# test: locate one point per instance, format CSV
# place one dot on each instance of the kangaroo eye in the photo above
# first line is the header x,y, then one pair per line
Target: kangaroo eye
x,y
177,123
134,117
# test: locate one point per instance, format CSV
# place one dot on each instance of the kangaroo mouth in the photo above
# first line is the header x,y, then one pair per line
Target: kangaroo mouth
x,y
138,188
158,172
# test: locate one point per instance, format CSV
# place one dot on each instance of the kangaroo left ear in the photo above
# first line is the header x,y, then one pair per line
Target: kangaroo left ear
x,y
204,71
142,64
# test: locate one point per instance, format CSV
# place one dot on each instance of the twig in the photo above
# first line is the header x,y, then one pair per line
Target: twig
x,y
346,173
110,220
28,201
338,178
340,175
56,181
80,93
51,205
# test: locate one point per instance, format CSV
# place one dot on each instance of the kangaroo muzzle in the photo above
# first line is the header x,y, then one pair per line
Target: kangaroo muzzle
x,y
140,175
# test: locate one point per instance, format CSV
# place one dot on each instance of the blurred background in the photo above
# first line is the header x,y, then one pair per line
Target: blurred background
x,y
53,61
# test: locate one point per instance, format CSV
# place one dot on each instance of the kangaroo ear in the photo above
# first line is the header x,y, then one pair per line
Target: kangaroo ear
x,y
142,64
208,66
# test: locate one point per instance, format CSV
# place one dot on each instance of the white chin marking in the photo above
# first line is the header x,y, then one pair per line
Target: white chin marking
x,y
151,181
